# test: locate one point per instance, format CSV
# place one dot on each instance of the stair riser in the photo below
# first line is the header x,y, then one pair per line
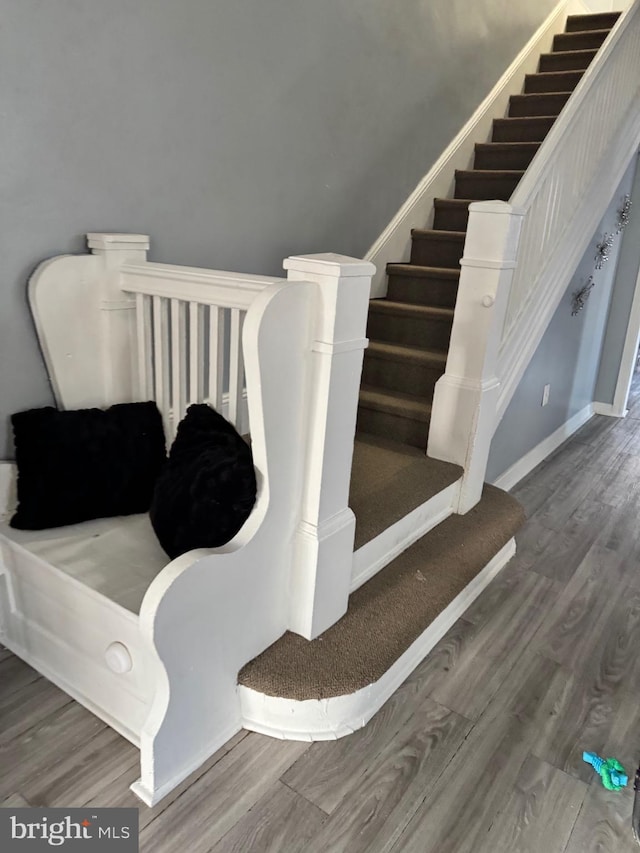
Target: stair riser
x,y
578,41
531,130
384,424
598,21
403,376
481,189
451,218
535,84
414,331
521,106
493,159
422,291
436,252
565,62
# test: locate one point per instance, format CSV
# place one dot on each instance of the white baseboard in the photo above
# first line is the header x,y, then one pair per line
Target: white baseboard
x,y
329,719
8,482
609,409
534,457
394,244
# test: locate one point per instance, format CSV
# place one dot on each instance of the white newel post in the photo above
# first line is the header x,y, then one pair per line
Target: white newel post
x,y
464,404
117,312
323,546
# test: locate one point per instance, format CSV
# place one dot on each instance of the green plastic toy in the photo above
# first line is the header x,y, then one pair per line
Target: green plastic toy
x,y
612,773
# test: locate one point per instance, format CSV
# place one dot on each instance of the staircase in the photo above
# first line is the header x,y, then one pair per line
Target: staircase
x,y
331,685
409,328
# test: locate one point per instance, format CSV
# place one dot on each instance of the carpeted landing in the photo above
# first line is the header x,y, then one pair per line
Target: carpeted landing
x,y
389,480
391,610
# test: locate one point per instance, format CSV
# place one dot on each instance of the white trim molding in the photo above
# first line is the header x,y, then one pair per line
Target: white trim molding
x,y
394,244
610,410
509,478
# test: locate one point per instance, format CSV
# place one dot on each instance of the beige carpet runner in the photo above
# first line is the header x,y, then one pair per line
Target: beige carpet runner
x,y
409,329
391,610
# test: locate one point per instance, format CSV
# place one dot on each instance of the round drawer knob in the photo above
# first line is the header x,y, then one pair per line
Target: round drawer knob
x,y
488,301
118,658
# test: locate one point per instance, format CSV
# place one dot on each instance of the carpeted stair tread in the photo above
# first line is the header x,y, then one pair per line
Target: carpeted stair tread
x,y
582,40
508,155
409,323
483,184
522,129
537,104
395,403
435,234
592,21
391,610
552,81
434,248
386,412
567,60
389,480
414,270
451,214
387,306
423,285
407,354
403,369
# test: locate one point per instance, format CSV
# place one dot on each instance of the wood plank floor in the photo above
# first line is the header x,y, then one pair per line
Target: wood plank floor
x,y
479,750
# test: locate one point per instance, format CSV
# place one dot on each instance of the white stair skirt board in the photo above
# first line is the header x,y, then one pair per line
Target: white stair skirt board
x,y
330,719
394,244
539,453
379,552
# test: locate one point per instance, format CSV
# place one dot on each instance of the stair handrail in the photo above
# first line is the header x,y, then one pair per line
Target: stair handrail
x,y
519,256
557,184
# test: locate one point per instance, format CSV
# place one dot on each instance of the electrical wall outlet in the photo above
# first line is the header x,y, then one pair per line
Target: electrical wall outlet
x,y
545,394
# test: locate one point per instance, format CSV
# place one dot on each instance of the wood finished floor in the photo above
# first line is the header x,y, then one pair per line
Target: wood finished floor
x,y
479,750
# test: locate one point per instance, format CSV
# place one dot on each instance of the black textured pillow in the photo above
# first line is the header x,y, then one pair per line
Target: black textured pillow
x,y
207,489
89,463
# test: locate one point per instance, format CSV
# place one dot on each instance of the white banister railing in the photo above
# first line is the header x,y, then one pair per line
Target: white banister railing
x,y
519,257
189,337
190,348
557,184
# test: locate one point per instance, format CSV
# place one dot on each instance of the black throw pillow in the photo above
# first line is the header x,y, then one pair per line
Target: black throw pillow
x,y
208,487
77,465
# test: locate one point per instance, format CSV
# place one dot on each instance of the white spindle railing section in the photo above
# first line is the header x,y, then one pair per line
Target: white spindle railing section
x,y
558,180
519,256
189,337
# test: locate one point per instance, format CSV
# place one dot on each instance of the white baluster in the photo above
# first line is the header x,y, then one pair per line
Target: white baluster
x,y
216,356
236,367
178,361
161,364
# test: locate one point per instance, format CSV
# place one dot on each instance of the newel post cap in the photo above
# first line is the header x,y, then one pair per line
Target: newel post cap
x,y
102,242
330,264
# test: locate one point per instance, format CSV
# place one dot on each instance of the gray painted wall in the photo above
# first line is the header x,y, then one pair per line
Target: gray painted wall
x,y
621,301
568,356
233,133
